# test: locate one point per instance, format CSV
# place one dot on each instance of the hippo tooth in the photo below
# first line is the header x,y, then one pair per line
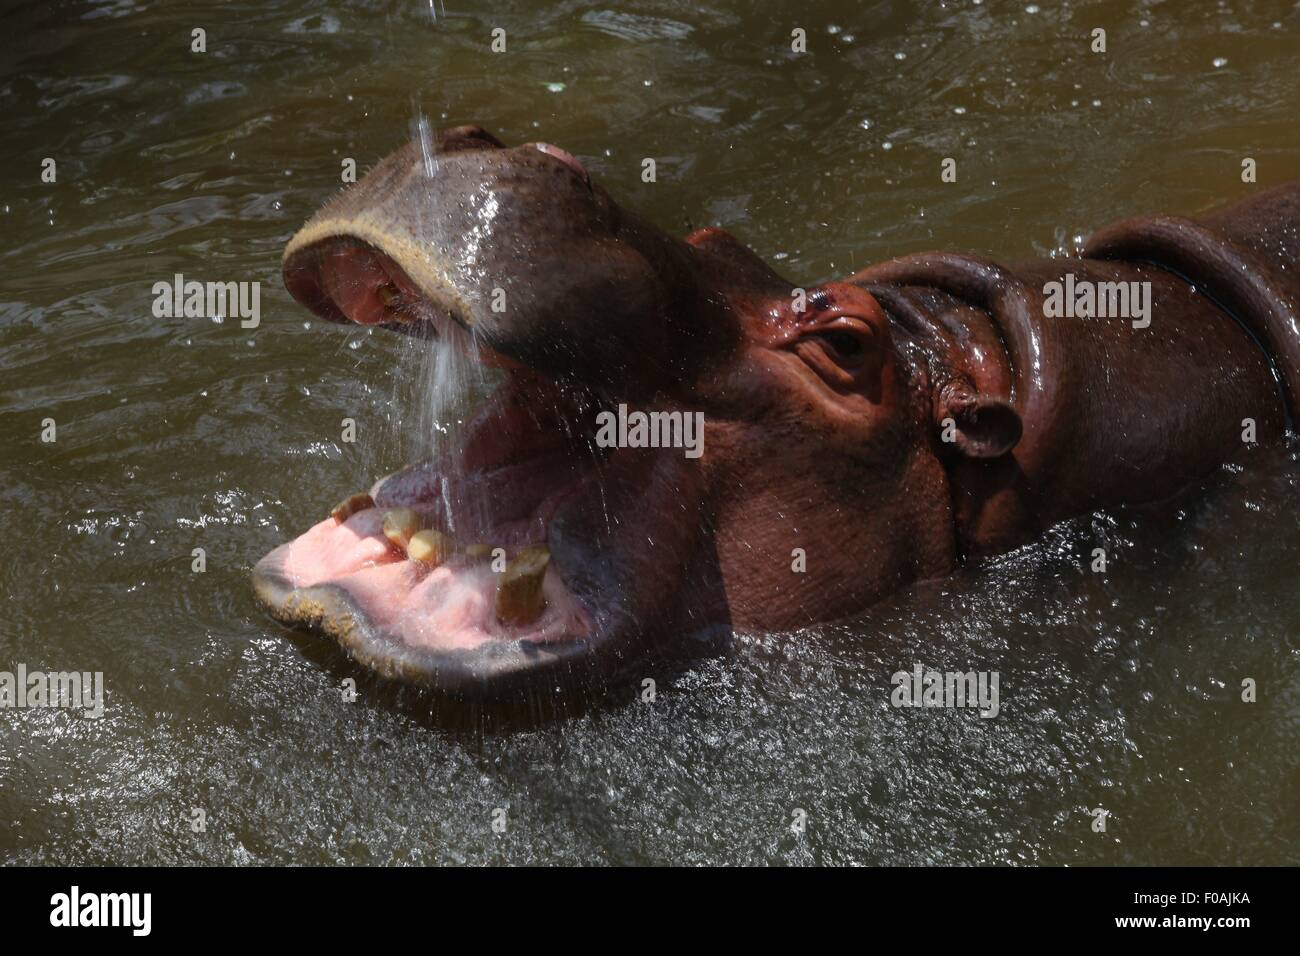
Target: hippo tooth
x,y
519,594
395,307
399,525
429,547
346,508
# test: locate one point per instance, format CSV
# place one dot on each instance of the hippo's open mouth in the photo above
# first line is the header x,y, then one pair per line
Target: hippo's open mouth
x,y
443,569
500,558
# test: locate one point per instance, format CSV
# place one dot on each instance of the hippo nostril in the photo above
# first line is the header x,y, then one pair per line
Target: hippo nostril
x,y
565,157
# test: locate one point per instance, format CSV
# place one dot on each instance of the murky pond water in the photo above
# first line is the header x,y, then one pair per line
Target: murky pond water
x,y
1119,691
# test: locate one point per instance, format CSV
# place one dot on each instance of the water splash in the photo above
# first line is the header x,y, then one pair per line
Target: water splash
x,y
422,133
439,386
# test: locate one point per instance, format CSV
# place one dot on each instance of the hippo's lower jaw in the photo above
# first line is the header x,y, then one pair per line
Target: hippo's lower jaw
x,y
437,628
434,620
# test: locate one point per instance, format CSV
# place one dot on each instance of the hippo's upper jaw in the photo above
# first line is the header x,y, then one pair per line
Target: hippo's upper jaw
x,y
516,245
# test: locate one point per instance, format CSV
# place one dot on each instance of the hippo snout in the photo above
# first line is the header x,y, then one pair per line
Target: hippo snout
x,y
515,245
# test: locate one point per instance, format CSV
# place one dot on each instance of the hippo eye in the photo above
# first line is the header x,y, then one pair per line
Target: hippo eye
x,y
845,345
839,351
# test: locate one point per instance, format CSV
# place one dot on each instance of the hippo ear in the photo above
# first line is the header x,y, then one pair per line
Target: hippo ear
x,y
979,425
467,137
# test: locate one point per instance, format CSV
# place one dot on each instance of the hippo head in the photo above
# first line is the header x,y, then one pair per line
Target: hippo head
x,y
557,537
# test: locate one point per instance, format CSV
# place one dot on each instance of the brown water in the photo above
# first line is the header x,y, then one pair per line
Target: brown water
x,y
1119,691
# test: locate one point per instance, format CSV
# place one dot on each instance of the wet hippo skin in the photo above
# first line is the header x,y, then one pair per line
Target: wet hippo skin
x,y
858,436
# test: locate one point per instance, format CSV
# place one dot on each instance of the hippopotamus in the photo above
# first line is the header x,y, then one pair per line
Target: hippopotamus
x,y
856,436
